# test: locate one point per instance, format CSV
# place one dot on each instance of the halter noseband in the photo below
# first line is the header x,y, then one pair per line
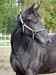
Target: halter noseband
x,y
33,31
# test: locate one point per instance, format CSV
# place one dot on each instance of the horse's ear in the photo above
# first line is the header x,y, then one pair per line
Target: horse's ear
x,y
37,7
34,7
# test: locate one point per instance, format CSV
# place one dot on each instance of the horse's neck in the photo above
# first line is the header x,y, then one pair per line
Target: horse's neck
x,y
20,44
16,34
52,45
18,39
53,37
16,26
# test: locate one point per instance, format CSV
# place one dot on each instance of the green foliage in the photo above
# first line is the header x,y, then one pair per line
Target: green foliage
x,y
9,12
48,13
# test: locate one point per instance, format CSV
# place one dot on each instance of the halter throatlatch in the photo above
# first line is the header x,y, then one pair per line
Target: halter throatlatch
x,y
33,31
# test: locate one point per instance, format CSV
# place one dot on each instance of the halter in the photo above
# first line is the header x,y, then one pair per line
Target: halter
x,y
33,31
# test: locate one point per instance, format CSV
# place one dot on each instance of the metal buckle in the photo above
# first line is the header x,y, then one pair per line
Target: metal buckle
x,y
33,32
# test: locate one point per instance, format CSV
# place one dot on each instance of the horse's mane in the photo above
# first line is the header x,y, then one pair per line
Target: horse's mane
x,y
16,27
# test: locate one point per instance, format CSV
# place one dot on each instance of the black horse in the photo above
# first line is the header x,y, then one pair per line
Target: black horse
x,y
29,39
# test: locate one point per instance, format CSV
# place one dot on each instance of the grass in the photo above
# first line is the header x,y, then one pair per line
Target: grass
x,y
2,41
3,44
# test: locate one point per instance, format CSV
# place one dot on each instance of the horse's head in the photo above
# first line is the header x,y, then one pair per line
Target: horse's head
x,y
32,25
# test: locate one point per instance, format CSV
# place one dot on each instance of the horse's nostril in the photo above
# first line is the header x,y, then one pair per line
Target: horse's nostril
x,y
48,41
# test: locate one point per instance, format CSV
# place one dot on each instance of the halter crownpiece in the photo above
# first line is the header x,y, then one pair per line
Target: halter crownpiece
x,y
33,31
24,25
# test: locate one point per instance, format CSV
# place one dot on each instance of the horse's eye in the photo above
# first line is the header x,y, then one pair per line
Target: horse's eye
x,y
28,20
35,21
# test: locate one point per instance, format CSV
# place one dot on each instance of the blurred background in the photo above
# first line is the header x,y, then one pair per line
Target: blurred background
x,y
9,9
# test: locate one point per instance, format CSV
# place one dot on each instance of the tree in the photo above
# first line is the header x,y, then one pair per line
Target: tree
x,y
8,12
48,13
